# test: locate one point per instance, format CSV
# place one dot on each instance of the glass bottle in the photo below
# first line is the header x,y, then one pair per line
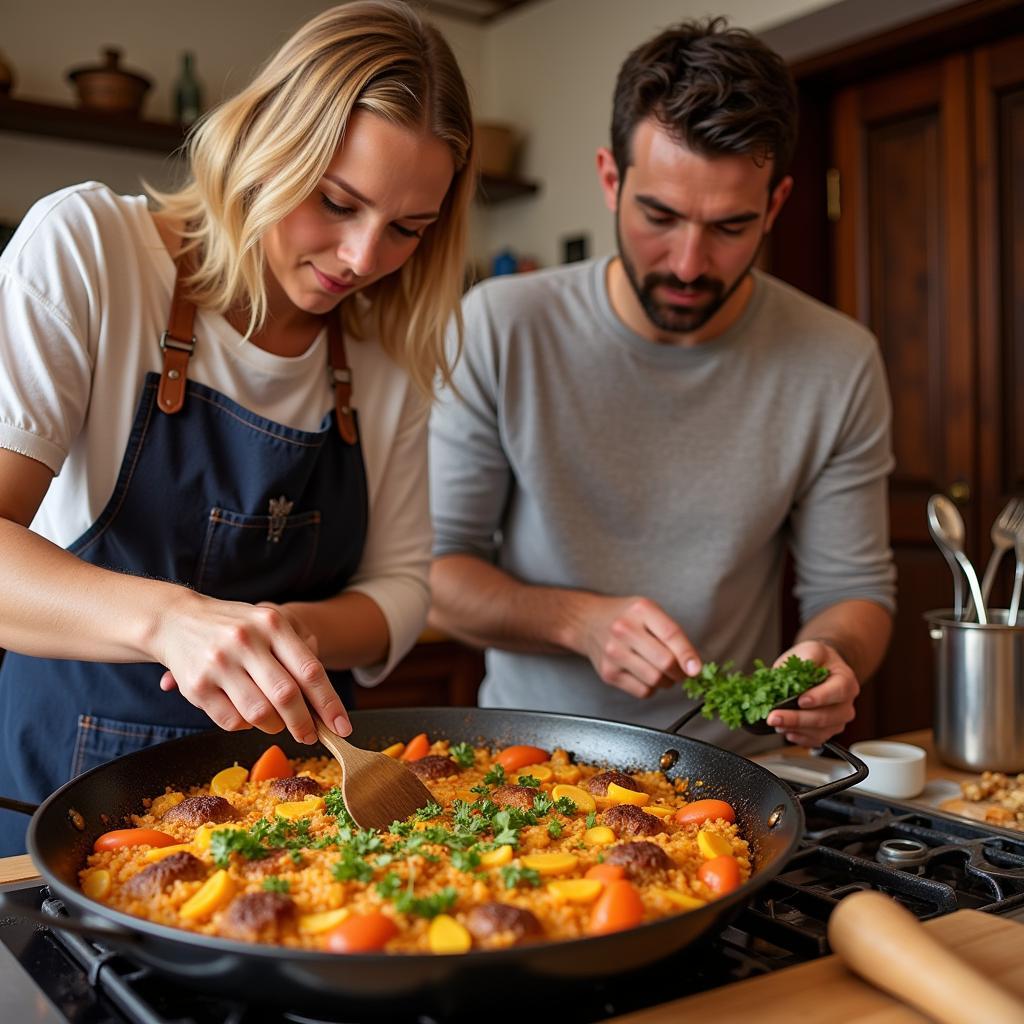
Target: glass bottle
x,y
188,99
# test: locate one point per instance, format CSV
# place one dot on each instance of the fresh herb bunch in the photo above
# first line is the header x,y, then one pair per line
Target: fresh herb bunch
x,y
737,698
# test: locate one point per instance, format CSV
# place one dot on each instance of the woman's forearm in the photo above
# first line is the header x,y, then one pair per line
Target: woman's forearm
x,y
350,629
54,605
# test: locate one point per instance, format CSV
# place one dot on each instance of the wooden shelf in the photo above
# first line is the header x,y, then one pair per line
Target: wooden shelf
x,y
81,125
493,189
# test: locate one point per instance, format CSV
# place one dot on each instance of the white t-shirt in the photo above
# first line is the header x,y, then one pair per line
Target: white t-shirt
x,y
85,292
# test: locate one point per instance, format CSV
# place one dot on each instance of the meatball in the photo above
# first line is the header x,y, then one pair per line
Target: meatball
x,y
197,810
434,767
515,796
639,859
151,881
489,919
298,787
257,912
629,820
598,784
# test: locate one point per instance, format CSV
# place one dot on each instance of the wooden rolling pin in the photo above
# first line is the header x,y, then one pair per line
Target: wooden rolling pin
x,y
885,944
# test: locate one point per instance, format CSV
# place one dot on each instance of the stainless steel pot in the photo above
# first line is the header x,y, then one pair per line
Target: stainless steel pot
x,y
979,691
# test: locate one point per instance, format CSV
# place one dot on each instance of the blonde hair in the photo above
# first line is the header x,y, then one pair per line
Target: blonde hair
x,y
254,158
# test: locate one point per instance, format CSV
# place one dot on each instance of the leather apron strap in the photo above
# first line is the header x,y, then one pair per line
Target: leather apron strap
x,y
178,342
341,379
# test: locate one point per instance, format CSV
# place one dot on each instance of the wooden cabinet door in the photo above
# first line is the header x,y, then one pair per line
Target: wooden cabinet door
x,y
999,176
904,266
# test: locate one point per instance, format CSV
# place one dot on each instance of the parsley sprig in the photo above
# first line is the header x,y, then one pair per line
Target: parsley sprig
x,y
737,698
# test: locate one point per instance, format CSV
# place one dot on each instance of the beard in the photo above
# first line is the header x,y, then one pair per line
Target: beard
x,y
666,316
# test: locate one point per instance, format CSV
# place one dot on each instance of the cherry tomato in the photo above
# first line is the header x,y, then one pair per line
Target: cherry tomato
x,y
417,747
273,763
720,874
618,907
362,933
520,756
701,811
122,837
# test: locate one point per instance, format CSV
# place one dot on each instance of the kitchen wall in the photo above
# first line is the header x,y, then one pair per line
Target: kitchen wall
x,y
230,40
550,68
547,68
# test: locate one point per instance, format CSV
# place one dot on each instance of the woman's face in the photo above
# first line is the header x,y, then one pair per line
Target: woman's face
x,y
383,188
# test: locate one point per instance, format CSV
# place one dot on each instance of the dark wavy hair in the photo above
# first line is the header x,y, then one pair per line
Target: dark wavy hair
x,y
718,90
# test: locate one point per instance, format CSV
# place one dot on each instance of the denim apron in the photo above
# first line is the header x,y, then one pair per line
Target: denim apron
x,y
209,495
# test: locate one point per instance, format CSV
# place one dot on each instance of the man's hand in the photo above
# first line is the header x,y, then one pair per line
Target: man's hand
x,y
825,708
635,646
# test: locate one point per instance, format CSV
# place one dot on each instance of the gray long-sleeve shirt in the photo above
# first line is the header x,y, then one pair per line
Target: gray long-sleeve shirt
x,y
582,455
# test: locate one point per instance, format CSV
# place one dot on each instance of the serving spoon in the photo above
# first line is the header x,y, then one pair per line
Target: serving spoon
x,y
377,789
946,526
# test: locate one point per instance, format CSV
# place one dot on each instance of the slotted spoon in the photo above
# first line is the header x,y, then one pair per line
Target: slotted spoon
x,y
377,789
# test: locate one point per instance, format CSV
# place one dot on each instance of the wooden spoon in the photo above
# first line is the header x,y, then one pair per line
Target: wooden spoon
x,y
377,789
884,943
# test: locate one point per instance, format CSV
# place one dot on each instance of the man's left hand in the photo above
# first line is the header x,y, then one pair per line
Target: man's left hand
x,y
824,709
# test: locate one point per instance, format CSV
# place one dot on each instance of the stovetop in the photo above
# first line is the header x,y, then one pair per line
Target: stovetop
x,y
931,863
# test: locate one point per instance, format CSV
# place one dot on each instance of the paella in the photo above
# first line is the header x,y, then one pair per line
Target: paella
x,y
519,845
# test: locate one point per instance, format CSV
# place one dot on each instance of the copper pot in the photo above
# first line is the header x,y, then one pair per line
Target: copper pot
x,y
108,86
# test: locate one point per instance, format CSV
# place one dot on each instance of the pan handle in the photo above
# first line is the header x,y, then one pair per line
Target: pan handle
x,y
7,804
64,923
859,774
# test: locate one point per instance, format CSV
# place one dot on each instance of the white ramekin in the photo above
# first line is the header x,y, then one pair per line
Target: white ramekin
x,y
894,769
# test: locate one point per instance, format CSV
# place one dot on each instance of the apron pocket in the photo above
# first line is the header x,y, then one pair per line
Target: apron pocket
x,y
278,550
102,739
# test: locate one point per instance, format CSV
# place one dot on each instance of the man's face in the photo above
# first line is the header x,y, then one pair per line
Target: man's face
x,y
689,227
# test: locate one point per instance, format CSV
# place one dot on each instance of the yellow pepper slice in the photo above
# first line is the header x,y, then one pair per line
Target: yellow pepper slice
x,y
203,835
711,844
395,750
159,852
659,810
446,935
551,863
215,892
230,780
497,857
599,835
580,797
96,884
324,921
162,804
541,772
621,795
295,809
681,899
575,890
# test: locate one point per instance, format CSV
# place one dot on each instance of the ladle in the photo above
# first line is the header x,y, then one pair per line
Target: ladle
x,y
946,526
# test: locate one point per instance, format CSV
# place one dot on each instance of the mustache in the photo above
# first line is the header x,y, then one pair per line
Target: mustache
x,y
698,284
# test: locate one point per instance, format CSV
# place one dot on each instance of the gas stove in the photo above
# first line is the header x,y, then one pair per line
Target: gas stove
x,y
930,862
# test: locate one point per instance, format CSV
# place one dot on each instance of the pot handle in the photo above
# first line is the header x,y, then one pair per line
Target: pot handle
x,y
64,923
859,774
19,806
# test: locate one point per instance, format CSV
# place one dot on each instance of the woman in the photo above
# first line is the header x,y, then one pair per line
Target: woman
x,y
234,392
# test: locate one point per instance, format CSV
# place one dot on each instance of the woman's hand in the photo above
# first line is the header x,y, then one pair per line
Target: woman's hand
x,y
635,646
825,708
248,665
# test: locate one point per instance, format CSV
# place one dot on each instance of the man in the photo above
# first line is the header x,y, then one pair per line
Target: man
x,y
636,441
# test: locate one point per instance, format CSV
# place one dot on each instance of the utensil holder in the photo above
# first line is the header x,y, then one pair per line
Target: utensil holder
x,y
979,692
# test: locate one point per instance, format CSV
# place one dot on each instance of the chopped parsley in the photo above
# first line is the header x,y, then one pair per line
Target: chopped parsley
x,y
275,884
431,810
737,698
463,754
591,819
513,875
555,829
565,805
496,776
529,780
